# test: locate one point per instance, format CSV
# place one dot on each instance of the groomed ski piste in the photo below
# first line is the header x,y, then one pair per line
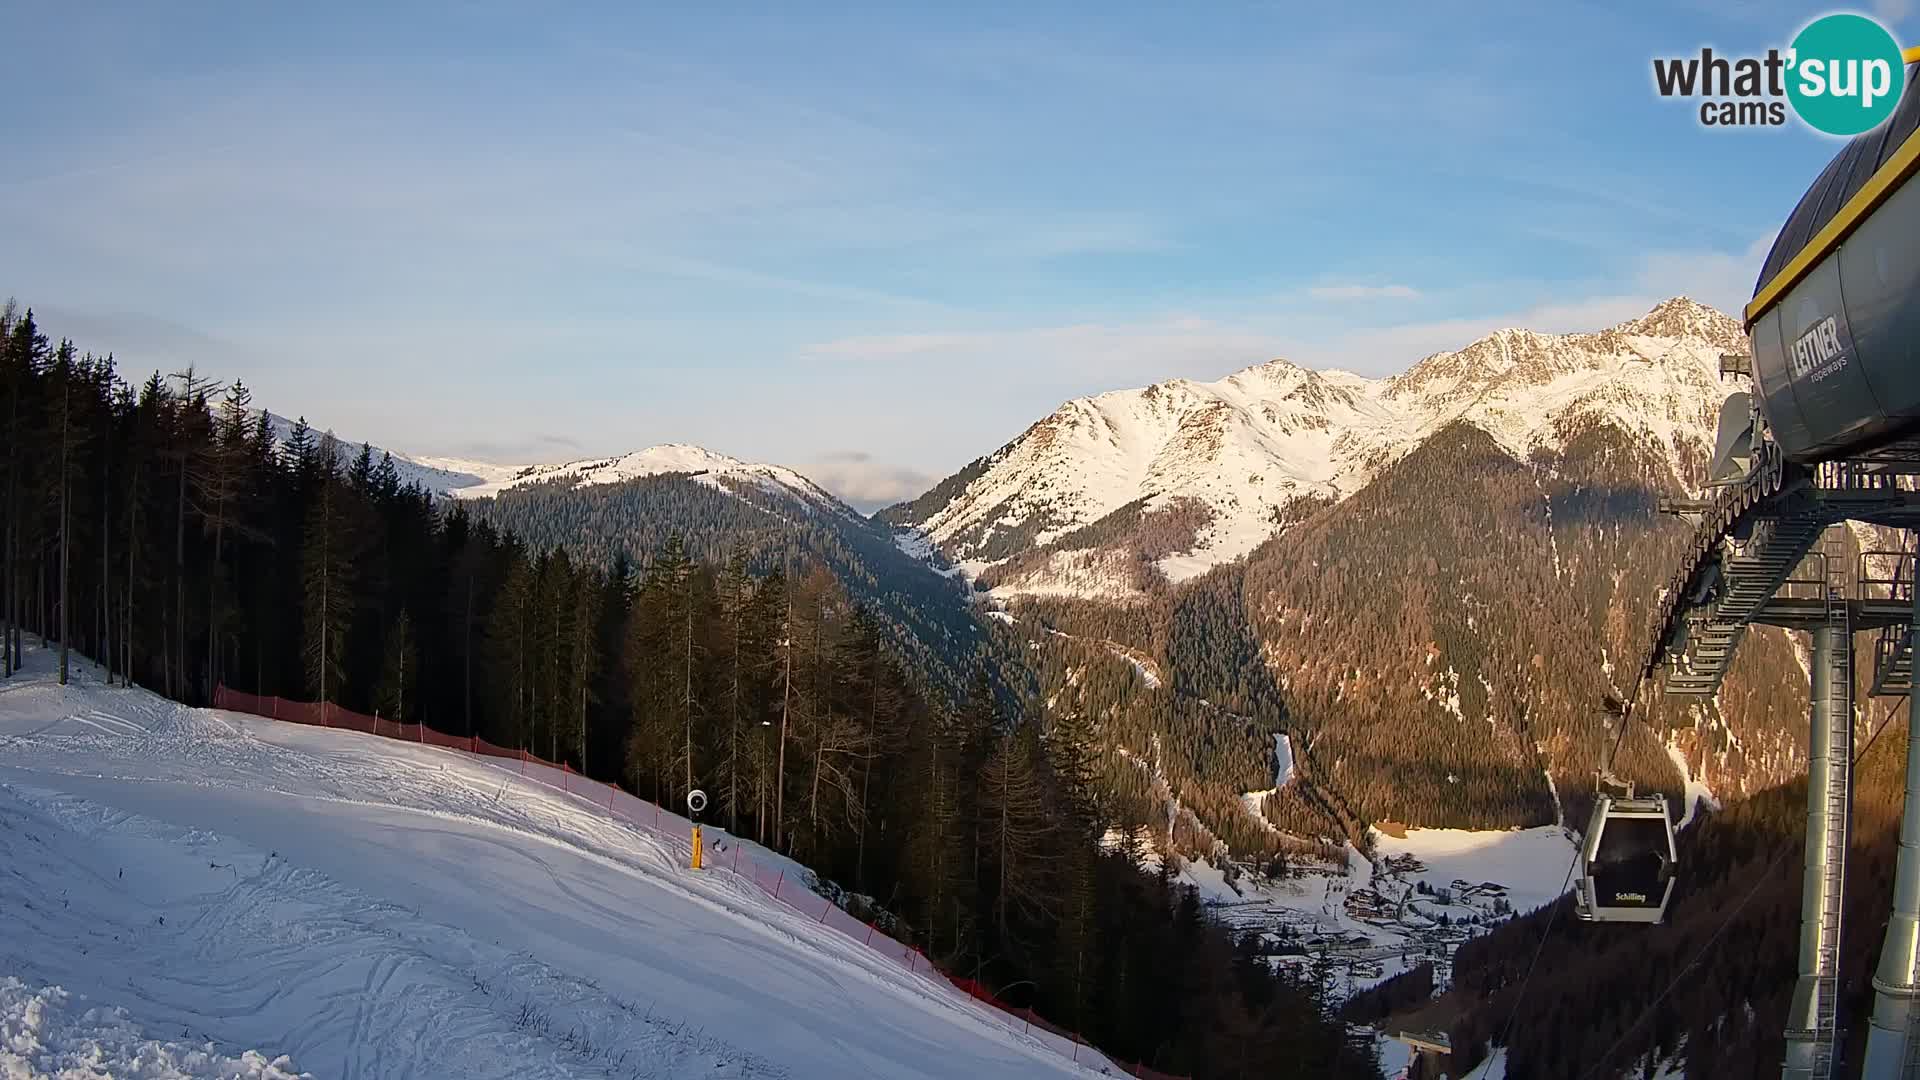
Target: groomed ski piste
x,y
196,893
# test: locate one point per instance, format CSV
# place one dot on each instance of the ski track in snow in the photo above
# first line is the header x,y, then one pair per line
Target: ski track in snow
x,y
379,910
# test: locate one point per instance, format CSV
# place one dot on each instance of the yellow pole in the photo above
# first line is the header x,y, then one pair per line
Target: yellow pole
x,y
696,847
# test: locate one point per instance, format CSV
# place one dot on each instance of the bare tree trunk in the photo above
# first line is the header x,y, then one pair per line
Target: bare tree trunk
x,y
133,524
687,703
553,685
934,876
813,791
180,583
6,584
786,706
106,546
326,594
9,587
213,591
468,657
733,725
866,779
821,713
520,682
65,542
1000,904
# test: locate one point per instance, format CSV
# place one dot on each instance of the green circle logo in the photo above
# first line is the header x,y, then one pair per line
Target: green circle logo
x,y
1846,74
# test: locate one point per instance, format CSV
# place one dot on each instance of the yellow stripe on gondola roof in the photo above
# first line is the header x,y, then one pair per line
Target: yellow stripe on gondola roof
x,y
1884,182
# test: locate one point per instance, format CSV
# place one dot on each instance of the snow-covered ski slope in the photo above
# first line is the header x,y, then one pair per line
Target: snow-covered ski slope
x,y
377,909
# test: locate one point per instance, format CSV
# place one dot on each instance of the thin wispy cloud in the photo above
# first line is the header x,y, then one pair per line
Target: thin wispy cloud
x,y
1186,345
866,482
640,226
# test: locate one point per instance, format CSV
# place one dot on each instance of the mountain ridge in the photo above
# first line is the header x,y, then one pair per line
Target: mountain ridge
x,y
710,466
1234,454
471,478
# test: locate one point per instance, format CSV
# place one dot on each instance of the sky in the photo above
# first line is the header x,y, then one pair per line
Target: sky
x,y
870,242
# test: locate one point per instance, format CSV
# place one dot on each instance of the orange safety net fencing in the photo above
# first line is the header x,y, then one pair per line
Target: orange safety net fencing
x,y
724,853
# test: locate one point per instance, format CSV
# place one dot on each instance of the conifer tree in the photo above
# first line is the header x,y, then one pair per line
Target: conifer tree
x,y
583,663
1015,831
736,604
328,579
509,635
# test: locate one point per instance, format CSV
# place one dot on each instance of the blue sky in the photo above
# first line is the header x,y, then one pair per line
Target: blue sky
x,y
872,244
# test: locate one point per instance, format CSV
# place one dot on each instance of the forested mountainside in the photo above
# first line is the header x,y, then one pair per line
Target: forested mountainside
x,y
1710,990
162,532
1437,642
1446,638
1187,712
723,516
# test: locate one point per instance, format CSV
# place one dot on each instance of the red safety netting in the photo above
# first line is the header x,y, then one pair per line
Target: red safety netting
x,y
723,854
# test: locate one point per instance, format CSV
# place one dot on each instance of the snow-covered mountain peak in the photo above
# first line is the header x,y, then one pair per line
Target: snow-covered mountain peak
x,y
710,467
464,478
1233,455
1686,318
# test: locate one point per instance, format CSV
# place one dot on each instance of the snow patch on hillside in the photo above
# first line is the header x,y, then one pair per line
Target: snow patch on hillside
x,y
1074,573
1697,791
1149,677
916,545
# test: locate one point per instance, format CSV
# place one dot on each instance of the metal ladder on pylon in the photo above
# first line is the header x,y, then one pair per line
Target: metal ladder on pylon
x,y
1839,625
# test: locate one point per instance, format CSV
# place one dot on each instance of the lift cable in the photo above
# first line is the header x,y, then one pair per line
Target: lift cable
x,y
1714,938
1553,915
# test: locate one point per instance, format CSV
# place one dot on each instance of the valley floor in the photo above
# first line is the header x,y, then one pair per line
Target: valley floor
x,y
1369,921
374,909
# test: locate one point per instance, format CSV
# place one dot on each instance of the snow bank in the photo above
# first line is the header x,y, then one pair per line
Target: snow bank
x,y
47,1032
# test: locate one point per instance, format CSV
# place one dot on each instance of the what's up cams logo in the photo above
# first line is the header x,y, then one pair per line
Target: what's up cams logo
x,y
1842,75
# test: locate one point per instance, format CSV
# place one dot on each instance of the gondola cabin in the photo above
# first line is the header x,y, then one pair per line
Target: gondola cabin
x,y
1626,861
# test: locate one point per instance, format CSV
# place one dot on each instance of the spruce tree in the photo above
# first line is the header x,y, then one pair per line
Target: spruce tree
x,y
328,579
583,656
509,637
